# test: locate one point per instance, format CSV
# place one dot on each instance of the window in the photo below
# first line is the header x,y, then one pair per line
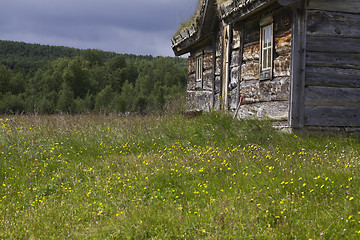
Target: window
x,y
199,72
266,48
266,58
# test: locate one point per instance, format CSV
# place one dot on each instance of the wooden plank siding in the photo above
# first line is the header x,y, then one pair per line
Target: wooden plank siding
x,y
334,59
200,97
347,6
332,116
332,44
332,85
331,96
325,23
332,76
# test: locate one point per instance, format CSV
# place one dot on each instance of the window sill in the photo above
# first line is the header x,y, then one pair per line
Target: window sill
x,y
265,75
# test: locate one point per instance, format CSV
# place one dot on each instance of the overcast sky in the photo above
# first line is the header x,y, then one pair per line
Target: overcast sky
x,y
123,26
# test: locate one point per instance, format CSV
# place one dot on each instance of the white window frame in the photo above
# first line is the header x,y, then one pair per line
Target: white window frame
x,y
267,48
199,72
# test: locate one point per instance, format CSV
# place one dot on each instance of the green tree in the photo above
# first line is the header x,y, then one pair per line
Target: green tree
x,y
117,62
17,84
104,99
12,104
66,99
77,78
5,78
94,57
127,97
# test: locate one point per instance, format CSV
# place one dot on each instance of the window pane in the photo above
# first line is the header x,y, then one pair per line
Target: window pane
x,y
270,36
265,37
198,72
196,69
266,47
265,57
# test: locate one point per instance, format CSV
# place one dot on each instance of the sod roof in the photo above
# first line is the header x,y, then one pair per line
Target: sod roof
x,y
191,30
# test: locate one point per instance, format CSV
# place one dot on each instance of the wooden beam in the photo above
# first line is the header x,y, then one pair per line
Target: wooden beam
x,y
214,69
332,77
350,6
242,34
287,2
332,96
334,116
332,44
345,60
297,77
323,23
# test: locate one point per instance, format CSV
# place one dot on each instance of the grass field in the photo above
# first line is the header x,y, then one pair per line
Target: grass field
x,y
173,177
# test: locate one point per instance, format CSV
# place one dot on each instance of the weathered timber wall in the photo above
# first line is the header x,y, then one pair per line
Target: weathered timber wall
x,y
346,6
249,84
332,85
218,67
233,86
200,94
267,99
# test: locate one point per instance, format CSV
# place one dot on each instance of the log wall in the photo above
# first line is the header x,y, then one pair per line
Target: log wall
x,y
218,66
200,95
332,84
266,99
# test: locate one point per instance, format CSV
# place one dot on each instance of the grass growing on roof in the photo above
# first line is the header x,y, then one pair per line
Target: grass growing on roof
x,y
190,21
108,177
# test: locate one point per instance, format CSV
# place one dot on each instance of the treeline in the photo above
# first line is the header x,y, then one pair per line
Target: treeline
x,y
47,79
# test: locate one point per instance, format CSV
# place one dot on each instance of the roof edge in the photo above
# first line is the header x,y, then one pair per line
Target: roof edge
x,y
227,10
191,32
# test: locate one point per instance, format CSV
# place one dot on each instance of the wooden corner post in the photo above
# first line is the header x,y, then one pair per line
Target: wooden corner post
x,y
298,59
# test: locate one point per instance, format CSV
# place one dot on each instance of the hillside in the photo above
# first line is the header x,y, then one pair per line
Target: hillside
x,y
49,79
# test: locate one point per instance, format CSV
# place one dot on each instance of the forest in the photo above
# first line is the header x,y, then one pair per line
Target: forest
x,y
45,79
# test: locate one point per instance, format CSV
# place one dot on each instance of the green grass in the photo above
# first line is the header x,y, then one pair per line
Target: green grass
x,y
173,177
191,20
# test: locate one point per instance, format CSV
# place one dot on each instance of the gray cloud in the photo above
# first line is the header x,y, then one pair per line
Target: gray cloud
x,y
136,26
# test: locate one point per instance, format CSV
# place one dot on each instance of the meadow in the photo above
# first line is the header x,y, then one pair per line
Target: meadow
x,y
174,177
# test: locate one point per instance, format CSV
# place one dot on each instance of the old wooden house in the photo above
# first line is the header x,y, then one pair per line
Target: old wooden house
x,y
296,62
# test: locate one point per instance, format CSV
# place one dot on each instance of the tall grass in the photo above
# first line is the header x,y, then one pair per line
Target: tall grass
x,y
174,177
